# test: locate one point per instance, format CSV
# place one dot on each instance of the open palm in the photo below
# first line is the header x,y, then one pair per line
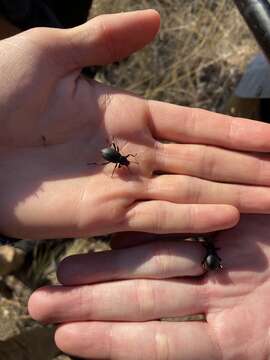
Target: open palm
x,y
54,122
239,314
164,279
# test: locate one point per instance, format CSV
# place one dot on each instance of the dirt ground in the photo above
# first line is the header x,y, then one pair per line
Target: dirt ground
x,y
196,60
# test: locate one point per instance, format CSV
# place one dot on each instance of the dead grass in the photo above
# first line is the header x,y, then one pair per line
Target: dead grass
x,y
196,59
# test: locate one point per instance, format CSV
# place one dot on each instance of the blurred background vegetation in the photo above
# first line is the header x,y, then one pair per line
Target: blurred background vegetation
x,y
196,60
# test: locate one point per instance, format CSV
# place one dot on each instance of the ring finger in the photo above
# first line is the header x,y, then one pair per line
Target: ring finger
x,y
184,189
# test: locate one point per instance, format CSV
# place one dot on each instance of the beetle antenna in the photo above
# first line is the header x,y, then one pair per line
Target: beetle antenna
x,y
98,164
115,141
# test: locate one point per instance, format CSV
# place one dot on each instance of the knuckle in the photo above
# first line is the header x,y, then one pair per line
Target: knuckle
x,y
102,35
262,166
162,259
145,299
190,189
191,121
85,301
161,343
232,130
38,33
106,101
158,153
240,199
98,26
208,162
207,292
160,218
191,217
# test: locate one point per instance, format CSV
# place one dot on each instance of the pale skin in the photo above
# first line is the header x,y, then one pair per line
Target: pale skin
x,y
54,122
165,279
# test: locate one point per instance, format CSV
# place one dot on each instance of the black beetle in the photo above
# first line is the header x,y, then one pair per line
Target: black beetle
x,y
211,261
112,155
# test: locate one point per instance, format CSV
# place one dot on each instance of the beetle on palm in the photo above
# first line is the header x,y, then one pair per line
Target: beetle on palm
x,y
113,155
211,260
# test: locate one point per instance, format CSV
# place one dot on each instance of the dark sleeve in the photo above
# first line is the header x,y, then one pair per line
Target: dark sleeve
x,y
26,14
4,240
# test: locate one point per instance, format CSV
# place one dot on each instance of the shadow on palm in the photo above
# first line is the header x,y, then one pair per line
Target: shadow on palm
x,y
72,130
245,249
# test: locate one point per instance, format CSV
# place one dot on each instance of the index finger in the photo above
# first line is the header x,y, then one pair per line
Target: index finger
x,y
189,125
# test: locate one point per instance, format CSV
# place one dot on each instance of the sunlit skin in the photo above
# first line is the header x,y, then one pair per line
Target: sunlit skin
x,y
54,122
164,279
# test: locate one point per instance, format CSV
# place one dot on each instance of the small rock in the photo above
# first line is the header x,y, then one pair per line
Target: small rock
x,y
11,259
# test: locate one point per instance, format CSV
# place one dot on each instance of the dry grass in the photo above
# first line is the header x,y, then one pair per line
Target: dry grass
x,y
196,59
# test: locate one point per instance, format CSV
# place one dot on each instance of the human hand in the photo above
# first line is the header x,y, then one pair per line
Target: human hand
x,y
54,122
164,279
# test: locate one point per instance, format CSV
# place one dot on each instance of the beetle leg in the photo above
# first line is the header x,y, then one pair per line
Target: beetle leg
x,y
114,169
44,140
117,146
134,162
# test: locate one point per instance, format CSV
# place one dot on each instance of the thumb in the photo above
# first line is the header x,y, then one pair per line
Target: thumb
x,y
108,38
100,41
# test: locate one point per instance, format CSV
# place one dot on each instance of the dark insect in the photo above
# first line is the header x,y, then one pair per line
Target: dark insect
x,y
211,261
44,140
112,155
